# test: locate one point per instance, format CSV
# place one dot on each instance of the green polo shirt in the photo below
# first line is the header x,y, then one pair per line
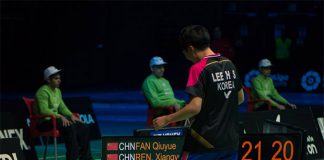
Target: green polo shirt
x,y
263,88
49,101
159,93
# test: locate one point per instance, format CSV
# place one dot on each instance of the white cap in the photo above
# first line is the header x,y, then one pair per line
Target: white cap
x,y
265,63
157,61
50,71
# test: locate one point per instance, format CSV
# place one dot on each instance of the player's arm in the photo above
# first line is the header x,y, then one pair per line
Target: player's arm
x,y
190,110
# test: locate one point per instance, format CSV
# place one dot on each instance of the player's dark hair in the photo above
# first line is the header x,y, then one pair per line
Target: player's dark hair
x,y
196,36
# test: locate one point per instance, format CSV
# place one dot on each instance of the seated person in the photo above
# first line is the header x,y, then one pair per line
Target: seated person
x,y
263,88
158,90
49,101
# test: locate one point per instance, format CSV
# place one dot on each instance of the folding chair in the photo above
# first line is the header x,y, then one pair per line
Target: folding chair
x,y
34,120
251,102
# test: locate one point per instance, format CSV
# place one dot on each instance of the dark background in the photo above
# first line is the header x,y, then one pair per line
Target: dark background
x,y
107,44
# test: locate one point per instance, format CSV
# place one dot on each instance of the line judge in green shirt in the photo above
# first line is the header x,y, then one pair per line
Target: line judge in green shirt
x,y
73,130
263,88
157,89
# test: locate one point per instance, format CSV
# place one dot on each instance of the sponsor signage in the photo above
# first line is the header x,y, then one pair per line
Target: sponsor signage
x,y
142,148
170,131
279,80
13,128
10,149
83,106
311,80
307,81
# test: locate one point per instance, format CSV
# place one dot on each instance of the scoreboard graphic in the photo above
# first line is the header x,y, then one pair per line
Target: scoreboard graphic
x,y
142,148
